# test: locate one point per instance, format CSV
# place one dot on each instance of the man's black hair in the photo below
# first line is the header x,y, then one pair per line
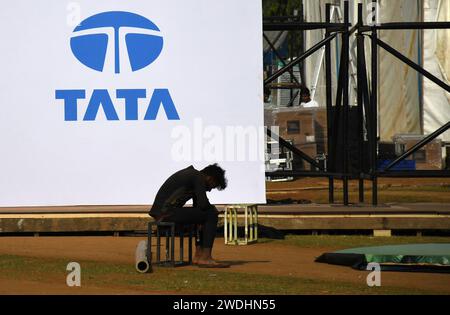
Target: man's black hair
x,y
305,91
216,172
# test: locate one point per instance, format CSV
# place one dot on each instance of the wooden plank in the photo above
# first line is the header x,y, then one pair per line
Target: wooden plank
x,y
382,233
436,208
368,223
73,225
303,222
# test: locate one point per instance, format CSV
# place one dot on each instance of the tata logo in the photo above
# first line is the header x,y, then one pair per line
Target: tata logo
x,y
119,41
101,99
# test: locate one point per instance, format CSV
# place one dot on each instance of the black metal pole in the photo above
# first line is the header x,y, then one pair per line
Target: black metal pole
x,y
409,26
167,245
345,133
149,244
293,63
374,118
337,117
158,245
292,100
296,26
181,244
339,89
329,92
272,47
191,229
360,56
294,150
413,65
172,245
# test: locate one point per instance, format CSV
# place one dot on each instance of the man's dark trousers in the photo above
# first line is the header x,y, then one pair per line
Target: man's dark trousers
x,y
208,218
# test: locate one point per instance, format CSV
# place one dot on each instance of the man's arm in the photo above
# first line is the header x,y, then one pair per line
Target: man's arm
x,y
200,199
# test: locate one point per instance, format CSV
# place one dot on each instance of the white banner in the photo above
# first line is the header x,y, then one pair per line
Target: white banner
x,y
102,100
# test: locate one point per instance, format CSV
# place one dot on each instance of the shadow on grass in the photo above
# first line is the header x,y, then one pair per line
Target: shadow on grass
x,y
244,262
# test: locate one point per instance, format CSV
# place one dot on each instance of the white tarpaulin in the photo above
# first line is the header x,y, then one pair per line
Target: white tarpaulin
x,y
399,84
436,53
102,100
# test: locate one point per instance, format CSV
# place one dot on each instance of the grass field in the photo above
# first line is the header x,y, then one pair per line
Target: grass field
x,y
269,267
122,276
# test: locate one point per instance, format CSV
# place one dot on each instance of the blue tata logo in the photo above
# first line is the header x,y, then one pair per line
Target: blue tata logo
x,y
102,41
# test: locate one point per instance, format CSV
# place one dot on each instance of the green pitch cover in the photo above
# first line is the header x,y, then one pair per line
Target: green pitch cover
x,y
412,257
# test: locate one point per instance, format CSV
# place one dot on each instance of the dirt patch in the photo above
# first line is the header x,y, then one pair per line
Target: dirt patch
x,y
323,182
389,190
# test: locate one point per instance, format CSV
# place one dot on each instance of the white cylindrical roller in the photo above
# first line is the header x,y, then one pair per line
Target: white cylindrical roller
x,y
142,264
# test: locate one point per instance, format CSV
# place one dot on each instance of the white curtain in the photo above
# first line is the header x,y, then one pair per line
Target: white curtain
x,y
399,100
436,52
399,84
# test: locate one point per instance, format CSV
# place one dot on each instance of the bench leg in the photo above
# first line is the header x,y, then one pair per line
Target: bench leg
x,y
149,244
172,245
190,245
182,245
158,245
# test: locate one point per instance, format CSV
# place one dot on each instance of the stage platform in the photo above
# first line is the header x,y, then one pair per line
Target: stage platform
x,y
311,217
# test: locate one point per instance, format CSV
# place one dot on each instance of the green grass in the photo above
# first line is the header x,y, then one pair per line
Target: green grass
x,y
186,281
123,276
342,241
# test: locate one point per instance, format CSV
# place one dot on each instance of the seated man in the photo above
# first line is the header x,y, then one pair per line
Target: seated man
x,y
176,191
305,99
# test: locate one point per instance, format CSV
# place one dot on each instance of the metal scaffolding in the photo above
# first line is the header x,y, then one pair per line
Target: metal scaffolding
x,y
338,124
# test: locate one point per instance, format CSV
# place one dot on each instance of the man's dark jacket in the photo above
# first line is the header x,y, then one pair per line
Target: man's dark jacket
x,y
179,188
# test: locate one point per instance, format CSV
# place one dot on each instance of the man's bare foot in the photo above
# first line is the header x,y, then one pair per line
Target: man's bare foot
x,y
198,255
206,260
195,260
